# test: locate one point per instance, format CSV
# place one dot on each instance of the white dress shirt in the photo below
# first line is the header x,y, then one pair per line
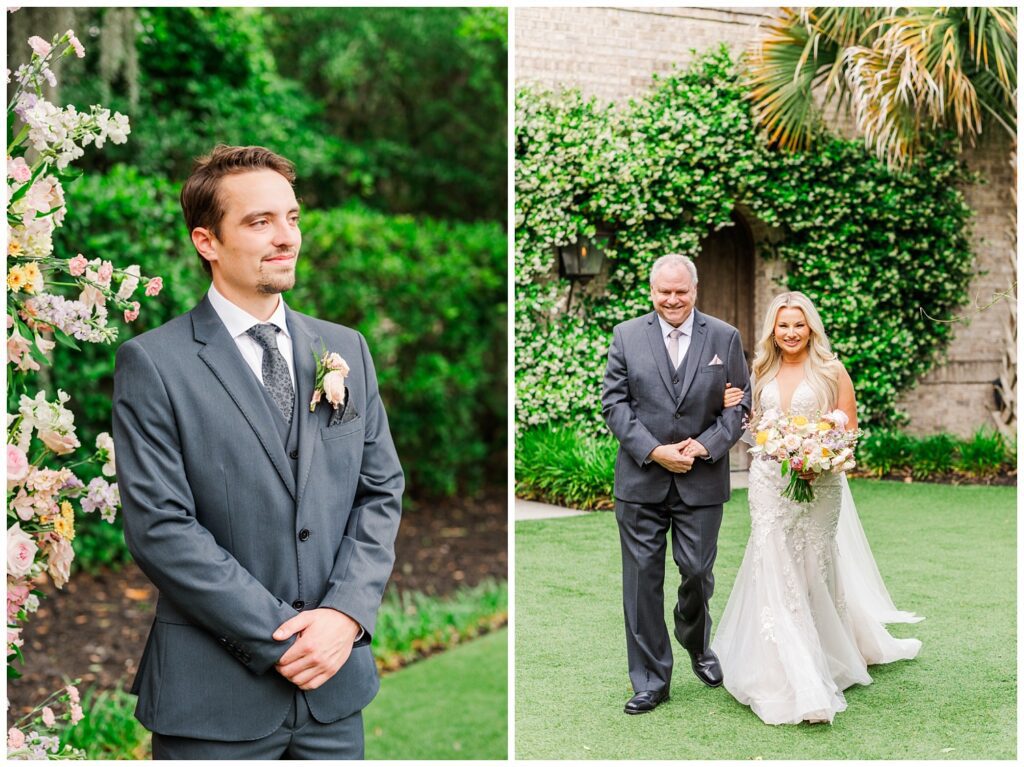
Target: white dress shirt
x,y
684,339
238,321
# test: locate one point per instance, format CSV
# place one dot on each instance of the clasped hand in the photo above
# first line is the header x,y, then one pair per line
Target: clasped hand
x,y
324,644
679,456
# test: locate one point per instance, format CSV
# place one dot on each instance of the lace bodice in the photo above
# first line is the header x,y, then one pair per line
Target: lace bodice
x,y
804,402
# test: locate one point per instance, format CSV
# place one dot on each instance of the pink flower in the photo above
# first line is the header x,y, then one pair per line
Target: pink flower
x,y
77,265
334,388
19,352
40,46
76,712
15,738
48,718
335,361
19,170
60,558
17,465
154,286
17,593
76,44
24,505
106,271
21,551
130,315
72,692
61,444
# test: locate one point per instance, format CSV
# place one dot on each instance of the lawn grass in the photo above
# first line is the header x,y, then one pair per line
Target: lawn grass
x,y
948,553
449,706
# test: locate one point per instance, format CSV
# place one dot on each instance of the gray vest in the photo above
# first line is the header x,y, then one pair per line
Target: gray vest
x,y
289,434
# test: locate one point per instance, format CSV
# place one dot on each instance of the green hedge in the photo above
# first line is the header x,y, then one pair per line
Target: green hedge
x,y
874,250
556,465
429,295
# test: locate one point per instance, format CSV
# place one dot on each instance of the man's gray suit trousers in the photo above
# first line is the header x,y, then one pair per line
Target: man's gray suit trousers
x,y
643,531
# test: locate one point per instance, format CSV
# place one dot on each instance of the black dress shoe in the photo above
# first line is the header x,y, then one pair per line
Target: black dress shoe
x,y
645,700
707,668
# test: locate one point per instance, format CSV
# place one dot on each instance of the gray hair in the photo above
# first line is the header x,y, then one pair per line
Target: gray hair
x,y
675,259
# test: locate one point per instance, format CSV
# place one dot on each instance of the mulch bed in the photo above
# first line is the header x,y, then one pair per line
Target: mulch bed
x,y
1004,479
95,628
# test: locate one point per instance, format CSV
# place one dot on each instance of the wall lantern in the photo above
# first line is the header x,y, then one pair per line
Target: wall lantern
x,y
583,260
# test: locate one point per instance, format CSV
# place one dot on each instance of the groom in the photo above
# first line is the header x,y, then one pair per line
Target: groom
x,y
267,528
663,400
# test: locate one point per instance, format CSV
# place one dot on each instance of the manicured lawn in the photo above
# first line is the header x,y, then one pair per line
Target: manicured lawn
x,y
450,706
948,553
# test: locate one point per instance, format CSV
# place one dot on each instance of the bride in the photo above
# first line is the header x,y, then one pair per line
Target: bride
x,y
804,619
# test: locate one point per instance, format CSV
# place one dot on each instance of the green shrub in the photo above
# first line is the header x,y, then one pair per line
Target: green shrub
x,y
109,729
985,454
933,456
562,467
884,451
413,624
429,296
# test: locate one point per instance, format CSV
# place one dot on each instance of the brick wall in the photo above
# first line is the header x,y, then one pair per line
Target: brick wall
x,y
611,53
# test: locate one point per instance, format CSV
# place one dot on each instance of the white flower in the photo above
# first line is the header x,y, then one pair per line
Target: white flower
x,y
129,283
105,442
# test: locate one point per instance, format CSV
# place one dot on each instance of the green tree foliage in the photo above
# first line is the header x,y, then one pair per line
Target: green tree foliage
x,y
204,76
420,98
873,249
402,108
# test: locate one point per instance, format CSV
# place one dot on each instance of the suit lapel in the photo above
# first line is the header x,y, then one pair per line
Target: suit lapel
x,y
303,345
700,333
659,351
221,355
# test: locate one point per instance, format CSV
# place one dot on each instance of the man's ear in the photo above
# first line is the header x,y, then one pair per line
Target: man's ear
x,y
206,243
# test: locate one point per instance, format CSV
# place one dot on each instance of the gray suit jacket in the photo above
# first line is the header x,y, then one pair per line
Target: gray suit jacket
x,y
642,409
213,512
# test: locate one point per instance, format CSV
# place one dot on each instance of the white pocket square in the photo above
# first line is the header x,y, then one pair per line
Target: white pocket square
x,y
715,361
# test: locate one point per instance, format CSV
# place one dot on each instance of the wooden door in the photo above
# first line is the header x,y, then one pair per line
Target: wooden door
x,y
725,289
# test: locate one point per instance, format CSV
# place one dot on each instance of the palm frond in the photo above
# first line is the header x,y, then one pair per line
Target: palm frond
x,y
783,69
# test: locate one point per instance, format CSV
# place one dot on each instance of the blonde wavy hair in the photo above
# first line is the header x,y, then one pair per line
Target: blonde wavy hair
x,y
821,370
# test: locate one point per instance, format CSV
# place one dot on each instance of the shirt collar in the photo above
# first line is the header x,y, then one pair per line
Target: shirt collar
x,y
686,327
237,320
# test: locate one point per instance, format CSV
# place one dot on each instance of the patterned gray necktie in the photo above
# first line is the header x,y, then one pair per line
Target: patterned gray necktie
x,y
673,346
275,370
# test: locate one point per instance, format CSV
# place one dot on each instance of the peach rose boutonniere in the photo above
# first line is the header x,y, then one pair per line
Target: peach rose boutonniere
x,y
331,372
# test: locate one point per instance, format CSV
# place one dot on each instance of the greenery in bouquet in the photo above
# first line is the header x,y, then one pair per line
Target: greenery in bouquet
x,y
804,446
51,300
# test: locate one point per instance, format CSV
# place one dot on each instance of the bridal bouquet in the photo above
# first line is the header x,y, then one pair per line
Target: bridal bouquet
x,y
801,444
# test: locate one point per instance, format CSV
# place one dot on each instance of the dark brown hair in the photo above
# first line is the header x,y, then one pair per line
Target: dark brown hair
x,y
200,198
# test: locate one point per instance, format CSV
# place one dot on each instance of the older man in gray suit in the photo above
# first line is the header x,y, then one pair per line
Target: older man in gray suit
x,y
267,526
663,400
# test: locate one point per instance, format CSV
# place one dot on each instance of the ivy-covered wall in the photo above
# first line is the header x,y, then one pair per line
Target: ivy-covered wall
x,y
876,251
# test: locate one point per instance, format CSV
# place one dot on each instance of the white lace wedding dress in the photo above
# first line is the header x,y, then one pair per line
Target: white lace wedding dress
x,y
805,616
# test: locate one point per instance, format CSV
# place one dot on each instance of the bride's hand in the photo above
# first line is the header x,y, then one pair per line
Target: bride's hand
x,y
732,395
810,476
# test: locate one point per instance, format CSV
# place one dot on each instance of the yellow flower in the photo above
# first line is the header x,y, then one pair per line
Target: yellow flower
x,y
64,525
13,248
16,278
33,277
762,437
800,420
824,426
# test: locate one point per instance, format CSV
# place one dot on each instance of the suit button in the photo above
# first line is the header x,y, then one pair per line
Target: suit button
x,y
294,455
675,380
304,535
298,604
677,416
